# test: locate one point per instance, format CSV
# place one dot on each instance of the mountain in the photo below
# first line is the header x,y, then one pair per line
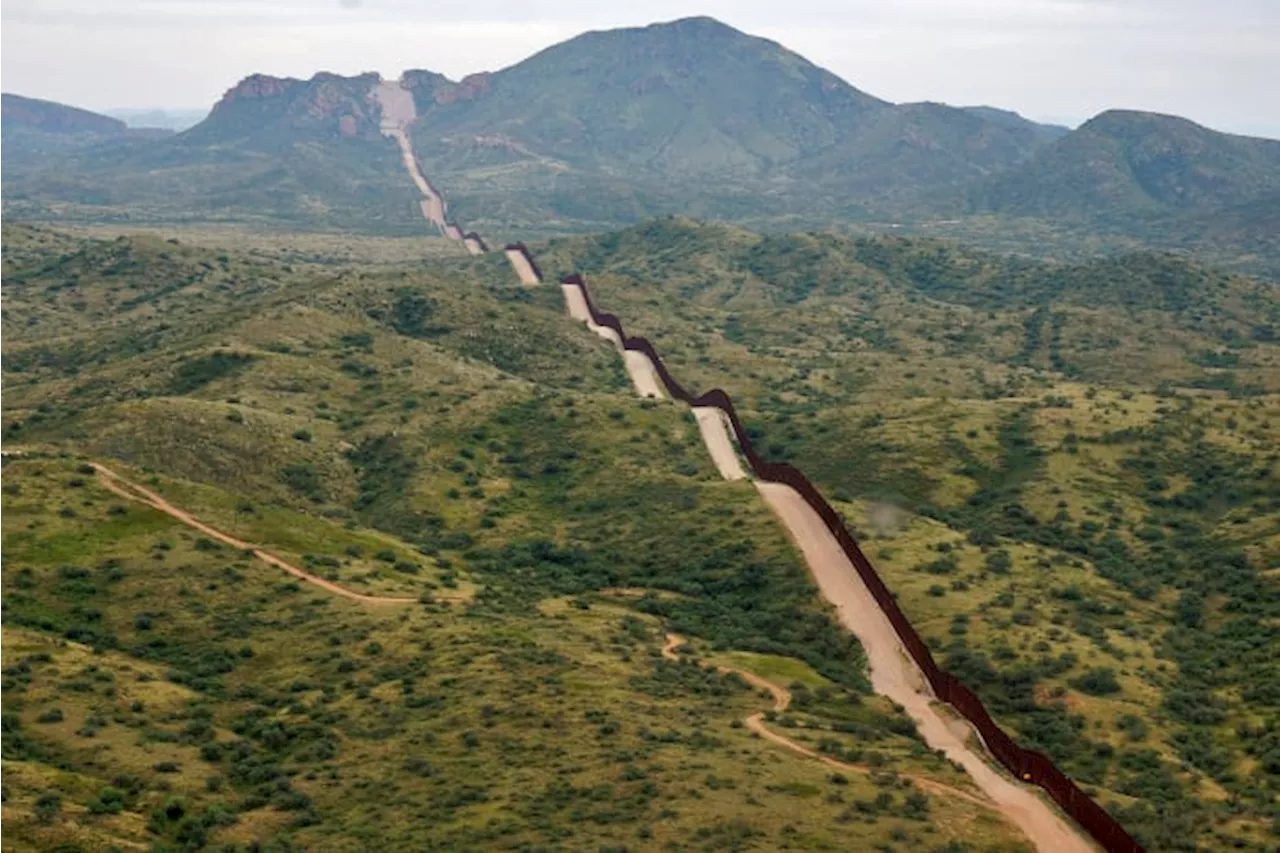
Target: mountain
x,y
693,116
166,119
690,97
1123,163
297,153
265,113
688,116
1013,119
21,113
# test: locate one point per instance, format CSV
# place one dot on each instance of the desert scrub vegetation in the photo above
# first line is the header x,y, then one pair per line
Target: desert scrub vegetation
x,y
165,693
467,448
1066,472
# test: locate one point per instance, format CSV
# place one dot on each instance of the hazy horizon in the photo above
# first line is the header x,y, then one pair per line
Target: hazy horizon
x,y
1045,59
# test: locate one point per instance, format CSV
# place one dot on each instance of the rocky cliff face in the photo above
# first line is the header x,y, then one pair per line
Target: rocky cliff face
x,y
50,117
265,111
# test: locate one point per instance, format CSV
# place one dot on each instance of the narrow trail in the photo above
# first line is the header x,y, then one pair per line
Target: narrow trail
x,y
130,490
398,112
782,701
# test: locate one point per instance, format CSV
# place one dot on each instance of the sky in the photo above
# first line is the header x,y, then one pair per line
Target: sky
x,y
1214,61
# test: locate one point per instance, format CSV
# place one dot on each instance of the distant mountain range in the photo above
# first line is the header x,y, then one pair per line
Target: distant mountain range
x,y
165,119
690,117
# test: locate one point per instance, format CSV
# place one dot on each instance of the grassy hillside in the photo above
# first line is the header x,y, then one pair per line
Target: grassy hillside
x,y
1067,473
1123,162
427,431
278,152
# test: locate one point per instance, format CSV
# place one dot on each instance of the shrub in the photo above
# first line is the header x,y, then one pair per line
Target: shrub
x,y
1100,681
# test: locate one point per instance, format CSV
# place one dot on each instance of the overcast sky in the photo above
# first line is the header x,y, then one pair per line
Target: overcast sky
x,y
1214,61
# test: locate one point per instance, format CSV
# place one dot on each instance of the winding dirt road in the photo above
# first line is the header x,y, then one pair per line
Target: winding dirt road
x,y
782,701
130,490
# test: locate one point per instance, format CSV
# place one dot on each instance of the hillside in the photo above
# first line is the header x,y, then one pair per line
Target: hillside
x,y
435,435
690,116
21,113
1066,473
1124,163
696,117
274,151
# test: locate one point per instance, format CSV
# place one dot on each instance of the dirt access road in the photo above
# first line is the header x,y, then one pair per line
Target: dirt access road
x,y
644,377
895,675
524,269
129,490
398,113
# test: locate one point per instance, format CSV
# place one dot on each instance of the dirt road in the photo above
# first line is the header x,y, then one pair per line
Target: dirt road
x,y
577,306
643,375
782,701
129,490
715,435
894,674
398,113
524,269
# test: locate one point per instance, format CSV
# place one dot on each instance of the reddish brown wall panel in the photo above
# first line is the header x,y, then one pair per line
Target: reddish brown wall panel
x,y
1025,764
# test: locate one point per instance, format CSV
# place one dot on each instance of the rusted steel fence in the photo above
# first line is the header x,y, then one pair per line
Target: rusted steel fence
x,y
1025,764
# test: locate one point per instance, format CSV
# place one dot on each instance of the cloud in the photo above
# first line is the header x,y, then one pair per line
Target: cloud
x,y
1213,62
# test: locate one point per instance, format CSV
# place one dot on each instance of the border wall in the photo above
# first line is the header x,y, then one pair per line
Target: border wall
x,y
1025,764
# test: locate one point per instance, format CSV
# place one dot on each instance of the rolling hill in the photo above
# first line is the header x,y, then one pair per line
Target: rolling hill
x,y
1066,473
1124,163
448,441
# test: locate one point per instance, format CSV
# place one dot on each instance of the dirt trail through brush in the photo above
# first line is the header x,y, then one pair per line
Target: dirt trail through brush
x,y
398,113
129,490
782,701
895,675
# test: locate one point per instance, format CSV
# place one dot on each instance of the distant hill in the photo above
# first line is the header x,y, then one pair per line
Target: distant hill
x,y
699,117
1124,162
166,119
1013,119
20,113
265,113
281,151
690,117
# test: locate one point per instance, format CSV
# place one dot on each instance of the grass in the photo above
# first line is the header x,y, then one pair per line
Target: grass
x,y
431,417
1045,483
563,726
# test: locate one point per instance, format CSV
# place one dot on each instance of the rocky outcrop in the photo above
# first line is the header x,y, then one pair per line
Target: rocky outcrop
x,y
266,108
